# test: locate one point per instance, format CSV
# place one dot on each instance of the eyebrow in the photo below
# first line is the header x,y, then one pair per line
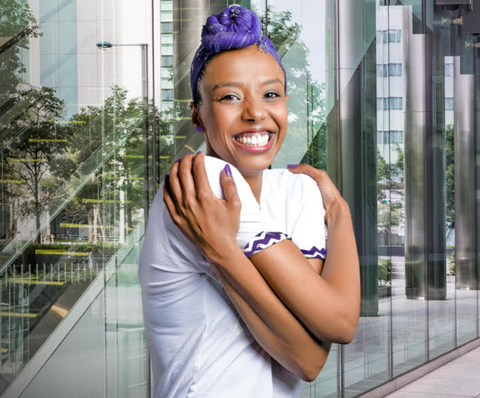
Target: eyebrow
x,y
234,84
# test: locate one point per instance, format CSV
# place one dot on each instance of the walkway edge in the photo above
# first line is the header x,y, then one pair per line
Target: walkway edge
x,y
403,380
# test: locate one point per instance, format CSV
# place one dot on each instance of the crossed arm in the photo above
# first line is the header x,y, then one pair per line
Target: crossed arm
x,y
293,312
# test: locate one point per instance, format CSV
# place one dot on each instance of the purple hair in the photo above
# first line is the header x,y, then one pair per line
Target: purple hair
x,y
233,28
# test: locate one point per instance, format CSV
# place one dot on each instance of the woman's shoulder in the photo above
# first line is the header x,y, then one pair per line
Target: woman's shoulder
x,y
288,180
214,168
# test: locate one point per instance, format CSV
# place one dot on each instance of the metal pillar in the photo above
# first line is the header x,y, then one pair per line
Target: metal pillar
x,y
351,132
425,257
464,144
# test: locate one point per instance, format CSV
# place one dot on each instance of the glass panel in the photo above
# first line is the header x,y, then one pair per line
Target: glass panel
x,y
83,349
76,183
383,95
367,358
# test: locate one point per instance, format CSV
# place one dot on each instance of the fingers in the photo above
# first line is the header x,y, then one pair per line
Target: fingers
x,y
309,170
204,191
230,189
185,177
329,191
169,201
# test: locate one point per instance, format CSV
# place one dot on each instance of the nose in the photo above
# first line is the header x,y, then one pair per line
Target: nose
x,y
254,110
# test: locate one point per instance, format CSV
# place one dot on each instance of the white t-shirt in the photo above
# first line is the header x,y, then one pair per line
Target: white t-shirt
x,y
199,345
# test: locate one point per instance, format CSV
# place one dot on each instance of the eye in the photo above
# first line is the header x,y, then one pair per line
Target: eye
x,y
272,94
229,97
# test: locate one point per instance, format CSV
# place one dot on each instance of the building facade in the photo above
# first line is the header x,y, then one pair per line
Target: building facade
x,y
94,108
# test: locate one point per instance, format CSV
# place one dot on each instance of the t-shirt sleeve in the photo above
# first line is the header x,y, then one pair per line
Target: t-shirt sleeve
x,y
185,256
308,231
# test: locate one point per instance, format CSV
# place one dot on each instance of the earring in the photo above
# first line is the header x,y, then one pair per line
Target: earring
x,y
199,129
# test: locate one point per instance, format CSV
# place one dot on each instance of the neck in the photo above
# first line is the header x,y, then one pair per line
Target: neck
x,y
255,182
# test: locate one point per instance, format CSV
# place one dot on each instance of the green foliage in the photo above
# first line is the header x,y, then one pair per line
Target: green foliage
x,y
450,175
306,138
383,169
387,172
17,25
451,263
38,146
384,269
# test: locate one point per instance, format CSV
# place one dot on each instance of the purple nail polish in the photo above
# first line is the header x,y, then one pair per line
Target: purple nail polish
x,y
190,153
199,129
292,166
199,152
228,170
178,160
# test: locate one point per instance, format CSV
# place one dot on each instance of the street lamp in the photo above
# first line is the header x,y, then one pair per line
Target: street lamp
x,y
105,46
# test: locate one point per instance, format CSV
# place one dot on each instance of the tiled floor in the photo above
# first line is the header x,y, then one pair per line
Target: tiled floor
x,y
459,378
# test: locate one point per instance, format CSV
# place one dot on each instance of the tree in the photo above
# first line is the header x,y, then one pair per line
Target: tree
x,y
17,26
111,139
450,175
307,105
28,158
390,213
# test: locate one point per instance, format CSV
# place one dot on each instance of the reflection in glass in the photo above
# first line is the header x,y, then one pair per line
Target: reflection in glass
x,y
382,95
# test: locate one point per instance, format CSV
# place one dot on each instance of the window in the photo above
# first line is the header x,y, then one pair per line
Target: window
x,y
381,70
167,27
395,36
396,103
390,36
449,104
382,104
381,36
396,137
395,69
167,61
167,15
166,38
448,70
391,69
393,103
167,95
379,137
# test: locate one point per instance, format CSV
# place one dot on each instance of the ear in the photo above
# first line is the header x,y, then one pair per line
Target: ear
x,y
197,122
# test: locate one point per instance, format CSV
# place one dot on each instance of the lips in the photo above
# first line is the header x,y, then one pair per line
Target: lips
x,y
254,141
257,139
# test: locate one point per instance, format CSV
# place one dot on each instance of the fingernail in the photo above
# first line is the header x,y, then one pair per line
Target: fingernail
x,y
292,166
199,129
228,170
190,153
199,152
178,160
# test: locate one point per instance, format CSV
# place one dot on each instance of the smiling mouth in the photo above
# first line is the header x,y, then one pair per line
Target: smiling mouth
x,y
259,139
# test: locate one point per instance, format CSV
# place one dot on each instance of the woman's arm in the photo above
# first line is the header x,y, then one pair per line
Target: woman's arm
x,y
328,305
277,331
271,323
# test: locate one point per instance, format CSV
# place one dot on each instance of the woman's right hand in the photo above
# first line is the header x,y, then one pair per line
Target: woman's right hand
x,y
208,222
333,202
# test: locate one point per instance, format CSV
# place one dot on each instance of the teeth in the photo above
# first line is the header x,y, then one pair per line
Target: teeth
x,y
254,140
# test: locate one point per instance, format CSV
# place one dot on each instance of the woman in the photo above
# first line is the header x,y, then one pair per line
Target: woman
x,y
232,306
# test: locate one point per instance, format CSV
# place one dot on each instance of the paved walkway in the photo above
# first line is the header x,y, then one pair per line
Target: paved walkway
x,y
459,378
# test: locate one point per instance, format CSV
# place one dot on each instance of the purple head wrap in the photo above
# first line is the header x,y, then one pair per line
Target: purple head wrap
x,y
234,28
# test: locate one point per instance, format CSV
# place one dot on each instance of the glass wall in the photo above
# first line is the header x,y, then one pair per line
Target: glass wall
x,y
94,107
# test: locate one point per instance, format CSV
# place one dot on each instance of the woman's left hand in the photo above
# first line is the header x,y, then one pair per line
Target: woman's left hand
x,y
210,223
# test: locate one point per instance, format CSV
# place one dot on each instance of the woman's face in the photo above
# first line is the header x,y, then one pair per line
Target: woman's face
x,y
243,109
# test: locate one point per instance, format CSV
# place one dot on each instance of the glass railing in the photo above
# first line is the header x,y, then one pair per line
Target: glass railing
x,y
52,251
104,328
